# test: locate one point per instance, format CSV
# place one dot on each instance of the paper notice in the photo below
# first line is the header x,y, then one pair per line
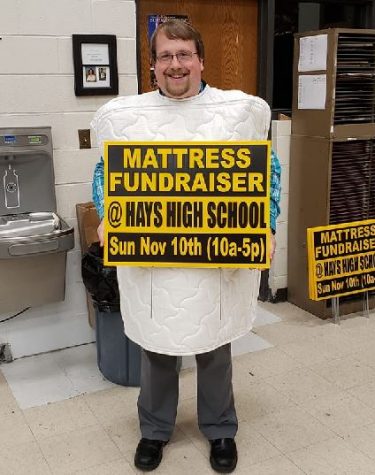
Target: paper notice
x,y
312,91
95,53
312,53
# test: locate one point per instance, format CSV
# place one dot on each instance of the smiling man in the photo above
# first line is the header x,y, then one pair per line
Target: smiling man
x,y
172,312
178,64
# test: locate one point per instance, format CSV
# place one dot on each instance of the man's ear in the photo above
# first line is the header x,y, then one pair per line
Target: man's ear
x,y
202,64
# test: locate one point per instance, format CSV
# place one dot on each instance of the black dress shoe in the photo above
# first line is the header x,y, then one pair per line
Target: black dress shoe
x,y
149,454
223,457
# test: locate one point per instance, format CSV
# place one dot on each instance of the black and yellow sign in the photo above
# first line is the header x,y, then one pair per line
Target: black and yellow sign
x,y
195,204
341,259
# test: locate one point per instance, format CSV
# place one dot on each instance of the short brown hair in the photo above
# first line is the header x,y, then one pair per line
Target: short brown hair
x,y
177,30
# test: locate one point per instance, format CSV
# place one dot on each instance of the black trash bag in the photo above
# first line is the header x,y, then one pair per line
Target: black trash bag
x,y
100,280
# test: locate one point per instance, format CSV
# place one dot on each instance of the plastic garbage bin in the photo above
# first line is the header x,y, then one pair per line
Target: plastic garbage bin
x,y
119,358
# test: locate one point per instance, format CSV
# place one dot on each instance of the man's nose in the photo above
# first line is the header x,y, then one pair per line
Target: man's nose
x,y
175,62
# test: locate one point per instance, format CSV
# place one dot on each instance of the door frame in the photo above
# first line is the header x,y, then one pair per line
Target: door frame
x,y
265,48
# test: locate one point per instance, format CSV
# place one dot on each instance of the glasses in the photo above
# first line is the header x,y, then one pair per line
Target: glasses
x,y
182,57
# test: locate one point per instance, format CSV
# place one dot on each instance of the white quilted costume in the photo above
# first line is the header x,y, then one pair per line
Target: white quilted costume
x,y
184,311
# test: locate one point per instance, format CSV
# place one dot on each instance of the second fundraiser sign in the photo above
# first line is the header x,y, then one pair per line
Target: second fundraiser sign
x,y
341,259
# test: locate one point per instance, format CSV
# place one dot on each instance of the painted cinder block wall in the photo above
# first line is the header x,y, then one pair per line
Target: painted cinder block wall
x,y
37,89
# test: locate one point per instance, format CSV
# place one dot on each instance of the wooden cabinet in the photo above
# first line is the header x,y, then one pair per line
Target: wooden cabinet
x,y
332,165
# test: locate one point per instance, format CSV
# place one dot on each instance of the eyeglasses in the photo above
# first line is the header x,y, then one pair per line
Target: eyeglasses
x,y
182,57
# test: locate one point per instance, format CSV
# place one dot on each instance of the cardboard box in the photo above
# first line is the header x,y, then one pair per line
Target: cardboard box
x,y
88,222
308,207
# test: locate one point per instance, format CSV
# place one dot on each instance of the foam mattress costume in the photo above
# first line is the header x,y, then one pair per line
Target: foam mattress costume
x,y
185,311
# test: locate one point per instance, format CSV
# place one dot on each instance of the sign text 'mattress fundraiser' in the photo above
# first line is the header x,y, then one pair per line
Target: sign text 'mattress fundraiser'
x,y
195,204
341,259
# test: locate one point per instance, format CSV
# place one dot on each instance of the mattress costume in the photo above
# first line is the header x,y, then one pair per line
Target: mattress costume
x,y
185,311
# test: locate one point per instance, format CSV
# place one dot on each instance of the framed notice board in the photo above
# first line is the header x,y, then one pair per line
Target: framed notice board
x,y
95,65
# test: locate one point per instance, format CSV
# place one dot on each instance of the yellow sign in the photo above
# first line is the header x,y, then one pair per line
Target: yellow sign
x,y
195,204
341,259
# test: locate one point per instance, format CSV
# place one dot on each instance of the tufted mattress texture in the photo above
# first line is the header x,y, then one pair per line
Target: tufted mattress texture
x,y
184,311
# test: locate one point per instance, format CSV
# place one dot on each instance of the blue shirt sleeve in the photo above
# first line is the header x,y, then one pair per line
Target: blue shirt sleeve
x,y
98,188
275,189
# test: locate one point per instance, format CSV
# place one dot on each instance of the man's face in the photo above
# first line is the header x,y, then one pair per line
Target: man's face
x,y
175,79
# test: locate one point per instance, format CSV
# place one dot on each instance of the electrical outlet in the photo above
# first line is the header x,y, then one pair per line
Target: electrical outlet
x,y
84,138
5,353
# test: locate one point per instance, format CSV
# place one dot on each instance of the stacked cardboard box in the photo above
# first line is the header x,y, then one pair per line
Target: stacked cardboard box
x,y
88,221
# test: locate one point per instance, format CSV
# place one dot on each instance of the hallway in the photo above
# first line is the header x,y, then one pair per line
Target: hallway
x,y
306,404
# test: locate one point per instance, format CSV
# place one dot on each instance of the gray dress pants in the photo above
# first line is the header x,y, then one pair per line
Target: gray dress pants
x,y
158,397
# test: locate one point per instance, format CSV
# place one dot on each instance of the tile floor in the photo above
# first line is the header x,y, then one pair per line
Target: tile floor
x,y
59,375
305,398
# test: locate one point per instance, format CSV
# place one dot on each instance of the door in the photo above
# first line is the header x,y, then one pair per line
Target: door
x,y
229,29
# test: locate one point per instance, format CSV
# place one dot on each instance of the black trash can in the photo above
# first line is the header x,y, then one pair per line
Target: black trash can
x,y
118,358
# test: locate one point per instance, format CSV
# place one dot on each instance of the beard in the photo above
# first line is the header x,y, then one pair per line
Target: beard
x,y
180,87
177,90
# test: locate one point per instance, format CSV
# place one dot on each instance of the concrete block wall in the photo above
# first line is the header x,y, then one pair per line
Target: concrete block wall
x,y
280,135
37,89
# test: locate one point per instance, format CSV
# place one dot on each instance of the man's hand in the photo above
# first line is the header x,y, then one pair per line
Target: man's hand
x,y
100,232
272,246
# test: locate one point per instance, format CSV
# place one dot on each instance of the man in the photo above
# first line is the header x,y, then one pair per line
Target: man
x,y
184,311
